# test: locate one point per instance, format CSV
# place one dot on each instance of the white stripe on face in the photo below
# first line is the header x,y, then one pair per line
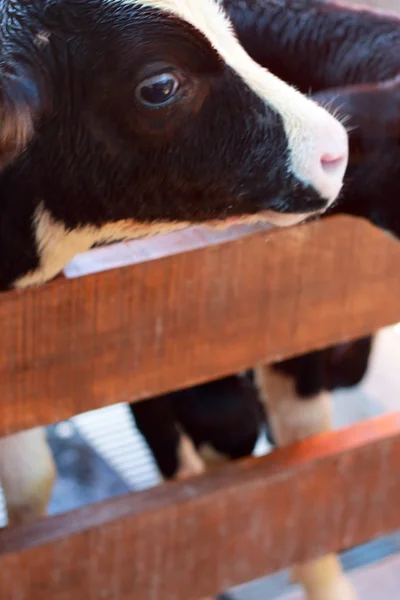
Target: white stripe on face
x,y
311,131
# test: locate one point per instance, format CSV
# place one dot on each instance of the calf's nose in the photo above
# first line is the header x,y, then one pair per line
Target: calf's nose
x,y
327,156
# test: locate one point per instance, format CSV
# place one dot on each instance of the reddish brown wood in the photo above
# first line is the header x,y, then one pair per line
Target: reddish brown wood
x,y
134,332
191,539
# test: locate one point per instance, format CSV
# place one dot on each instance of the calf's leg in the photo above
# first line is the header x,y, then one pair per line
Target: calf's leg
x,y
298,407
27,474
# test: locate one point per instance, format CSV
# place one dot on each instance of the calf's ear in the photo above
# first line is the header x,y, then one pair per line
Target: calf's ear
x,y
19,109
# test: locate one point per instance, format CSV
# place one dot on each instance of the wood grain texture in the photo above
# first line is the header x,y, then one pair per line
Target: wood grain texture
x,y
188,540
134,332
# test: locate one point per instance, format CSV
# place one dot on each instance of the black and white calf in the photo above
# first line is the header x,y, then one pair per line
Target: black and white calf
x,y
122,118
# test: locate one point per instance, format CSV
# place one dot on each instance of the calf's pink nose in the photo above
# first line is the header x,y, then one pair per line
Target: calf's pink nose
x,y
328,156
332,163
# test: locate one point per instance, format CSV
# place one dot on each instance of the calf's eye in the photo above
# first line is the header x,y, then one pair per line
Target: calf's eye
x,y
158,91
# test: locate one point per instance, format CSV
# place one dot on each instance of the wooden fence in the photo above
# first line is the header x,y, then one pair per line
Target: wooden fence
x,y
200,305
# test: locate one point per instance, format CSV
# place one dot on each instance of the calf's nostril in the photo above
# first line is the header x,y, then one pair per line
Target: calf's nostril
x,y
332,163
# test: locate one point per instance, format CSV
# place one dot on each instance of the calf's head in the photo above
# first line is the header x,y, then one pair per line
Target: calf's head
x,y
122,118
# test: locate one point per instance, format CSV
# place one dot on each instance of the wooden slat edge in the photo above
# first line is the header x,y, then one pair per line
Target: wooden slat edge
x,y
125,254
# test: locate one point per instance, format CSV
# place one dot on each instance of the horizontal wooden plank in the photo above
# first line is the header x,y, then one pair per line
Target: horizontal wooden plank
x,y
134,332
192,539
